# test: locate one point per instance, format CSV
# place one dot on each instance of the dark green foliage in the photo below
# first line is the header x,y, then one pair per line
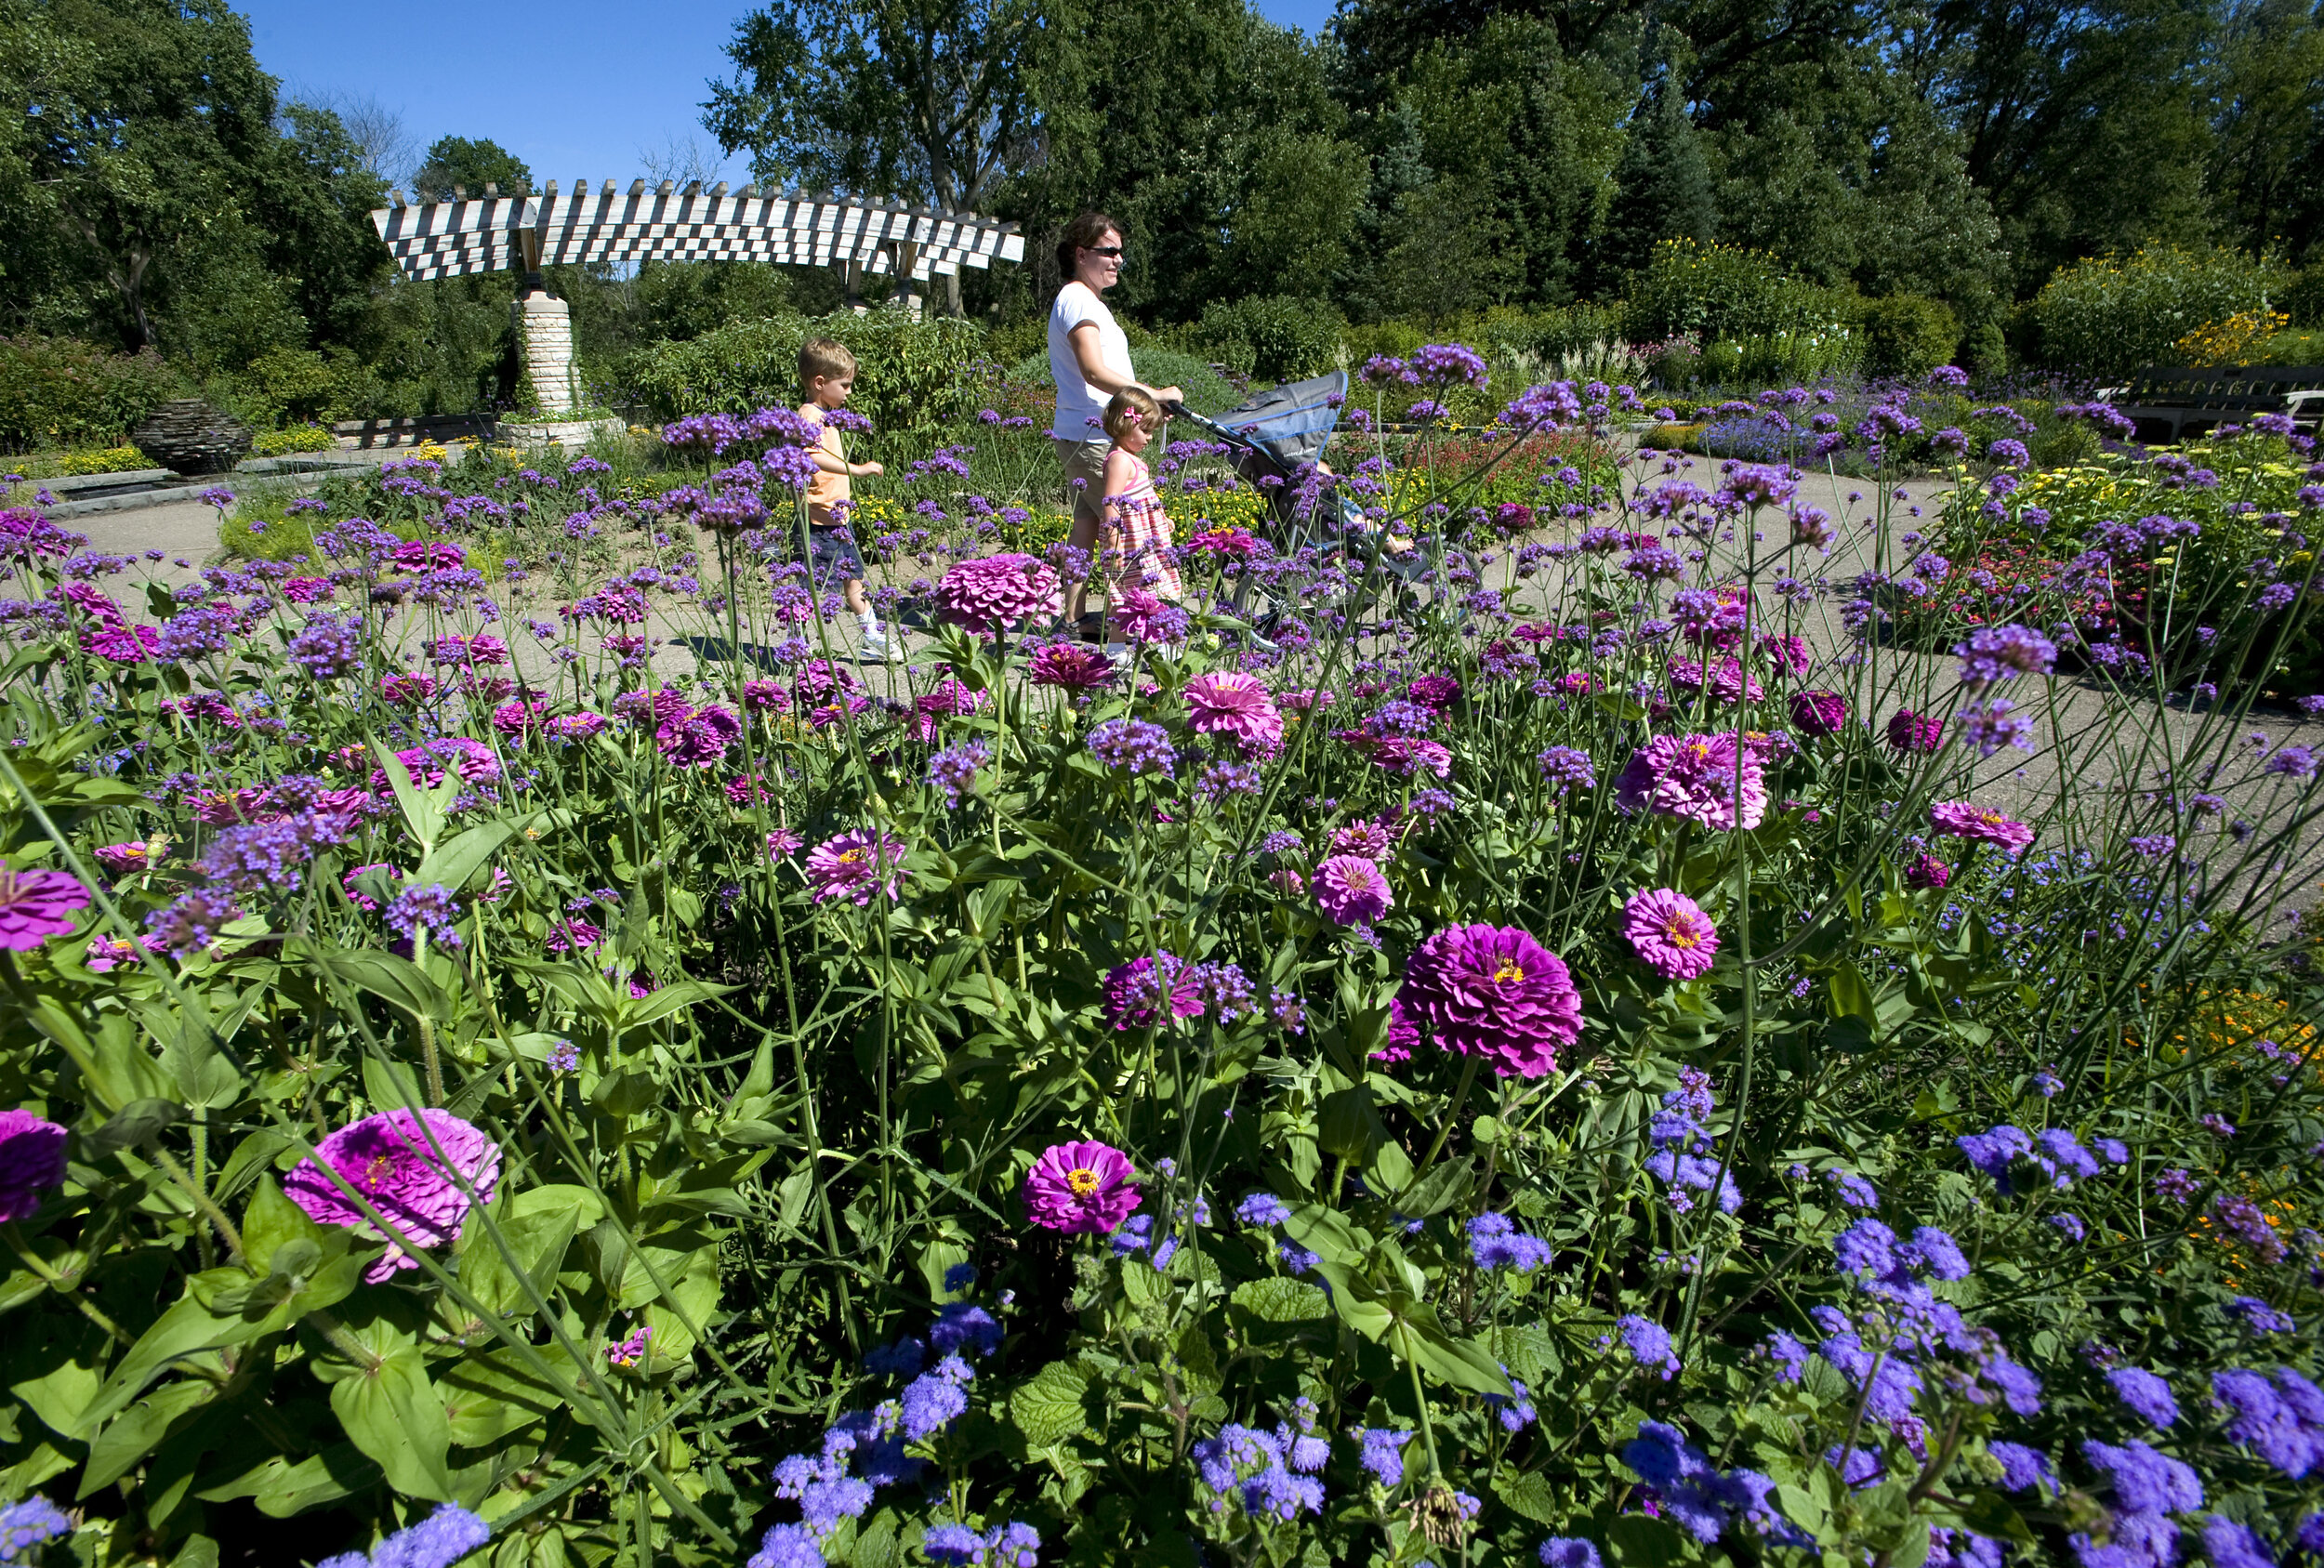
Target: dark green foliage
x,y
1662,188
61,392
457,164
911,375
1719,291
1276,338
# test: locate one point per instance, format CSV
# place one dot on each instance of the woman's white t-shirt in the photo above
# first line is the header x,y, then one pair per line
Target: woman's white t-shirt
x,y
1078,403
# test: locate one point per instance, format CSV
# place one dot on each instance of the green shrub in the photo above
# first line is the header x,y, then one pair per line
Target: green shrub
x,y
2109,315
911,375
1275,337
1906,333
1721,291
2293,348
1391,340
1207,391
295,383
2303,298
55,392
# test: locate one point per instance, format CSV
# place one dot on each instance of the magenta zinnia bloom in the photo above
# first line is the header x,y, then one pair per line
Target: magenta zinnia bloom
x,y
1082,1189
1403,1034
1911,733
1695,776
853,864
986,595
1982,823
1353,889
1074,665
1234,702
135,855
37,905
32,1160
1494,992
1818,713
1673,935
390,1159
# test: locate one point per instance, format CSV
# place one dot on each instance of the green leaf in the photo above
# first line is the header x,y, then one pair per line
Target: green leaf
x,y
132,1434
188,1328
423,813
1527,1495
1637,1538
455,863
670,999
538,1242
1421,1338
392,978
135,1125
1049,1408
1437,1190
391,1412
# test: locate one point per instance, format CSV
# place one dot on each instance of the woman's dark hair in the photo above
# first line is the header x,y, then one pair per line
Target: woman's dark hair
x,y
1087,230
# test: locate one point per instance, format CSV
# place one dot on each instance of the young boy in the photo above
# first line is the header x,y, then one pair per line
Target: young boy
x,y
826,375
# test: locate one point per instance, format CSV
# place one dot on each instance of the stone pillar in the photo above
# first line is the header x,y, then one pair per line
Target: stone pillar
x,y
545,341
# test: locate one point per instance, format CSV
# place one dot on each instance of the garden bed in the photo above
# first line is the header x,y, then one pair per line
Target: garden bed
x,y
1590,1058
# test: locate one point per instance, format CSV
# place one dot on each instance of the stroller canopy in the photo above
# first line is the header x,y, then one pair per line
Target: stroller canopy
x,y
1292,423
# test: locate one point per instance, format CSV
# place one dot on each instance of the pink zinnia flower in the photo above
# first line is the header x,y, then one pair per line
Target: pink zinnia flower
x,y
388,1158
572,936
1353,889
1672,934
1435,691
1235,703
518,718
1365,837
1927,871
135,855
576,726
1695,776
472,761
1073,666
1911,733
853,865
37,905
408,689
781,842
31,1162
948,700
1728,679
1081,1189
697,738
1494,992
1818,713
1403,1034
1982,823
988,593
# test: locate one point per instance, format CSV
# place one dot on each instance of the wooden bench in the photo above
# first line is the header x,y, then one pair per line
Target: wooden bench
x,y
2181,400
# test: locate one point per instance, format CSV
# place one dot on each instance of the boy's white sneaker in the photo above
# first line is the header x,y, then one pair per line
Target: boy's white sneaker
x,y
879,648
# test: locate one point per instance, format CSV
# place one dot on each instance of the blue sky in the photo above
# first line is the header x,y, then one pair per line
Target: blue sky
x,y
578,91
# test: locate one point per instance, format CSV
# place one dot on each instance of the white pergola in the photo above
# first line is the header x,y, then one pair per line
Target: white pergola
x,y
492,232
495,233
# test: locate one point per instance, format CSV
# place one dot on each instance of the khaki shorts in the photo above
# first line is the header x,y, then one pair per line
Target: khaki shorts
x,y
1084,460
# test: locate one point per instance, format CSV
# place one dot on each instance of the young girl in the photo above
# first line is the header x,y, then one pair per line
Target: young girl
x,y
1134,530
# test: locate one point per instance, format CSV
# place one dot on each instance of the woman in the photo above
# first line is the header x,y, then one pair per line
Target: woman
x,y
1090,358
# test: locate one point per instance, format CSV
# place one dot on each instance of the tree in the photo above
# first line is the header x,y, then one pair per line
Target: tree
x,y
140,120
914,101
455,164
1662,186
2267,164
2084,125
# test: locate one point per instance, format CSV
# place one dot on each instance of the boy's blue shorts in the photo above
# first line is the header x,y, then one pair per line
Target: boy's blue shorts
x,y
833,558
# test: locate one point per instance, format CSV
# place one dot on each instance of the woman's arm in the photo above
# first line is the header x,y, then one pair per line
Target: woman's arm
x,y
1104,377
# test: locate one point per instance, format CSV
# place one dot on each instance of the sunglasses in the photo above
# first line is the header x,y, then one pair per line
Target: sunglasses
x,y
1113,251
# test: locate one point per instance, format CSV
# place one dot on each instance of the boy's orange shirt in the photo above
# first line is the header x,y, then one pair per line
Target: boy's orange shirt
x,y
827,490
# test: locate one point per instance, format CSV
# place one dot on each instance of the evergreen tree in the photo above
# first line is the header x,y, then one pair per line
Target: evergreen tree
x,y
1662,188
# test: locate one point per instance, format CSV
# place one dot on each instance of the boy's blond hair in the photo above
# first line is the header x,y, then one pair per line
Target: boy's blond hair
x,y
825,357
1132,405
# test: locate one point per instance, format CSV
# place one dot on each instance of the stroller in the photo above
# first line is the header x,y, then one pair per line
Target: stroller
x,y
1275,436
